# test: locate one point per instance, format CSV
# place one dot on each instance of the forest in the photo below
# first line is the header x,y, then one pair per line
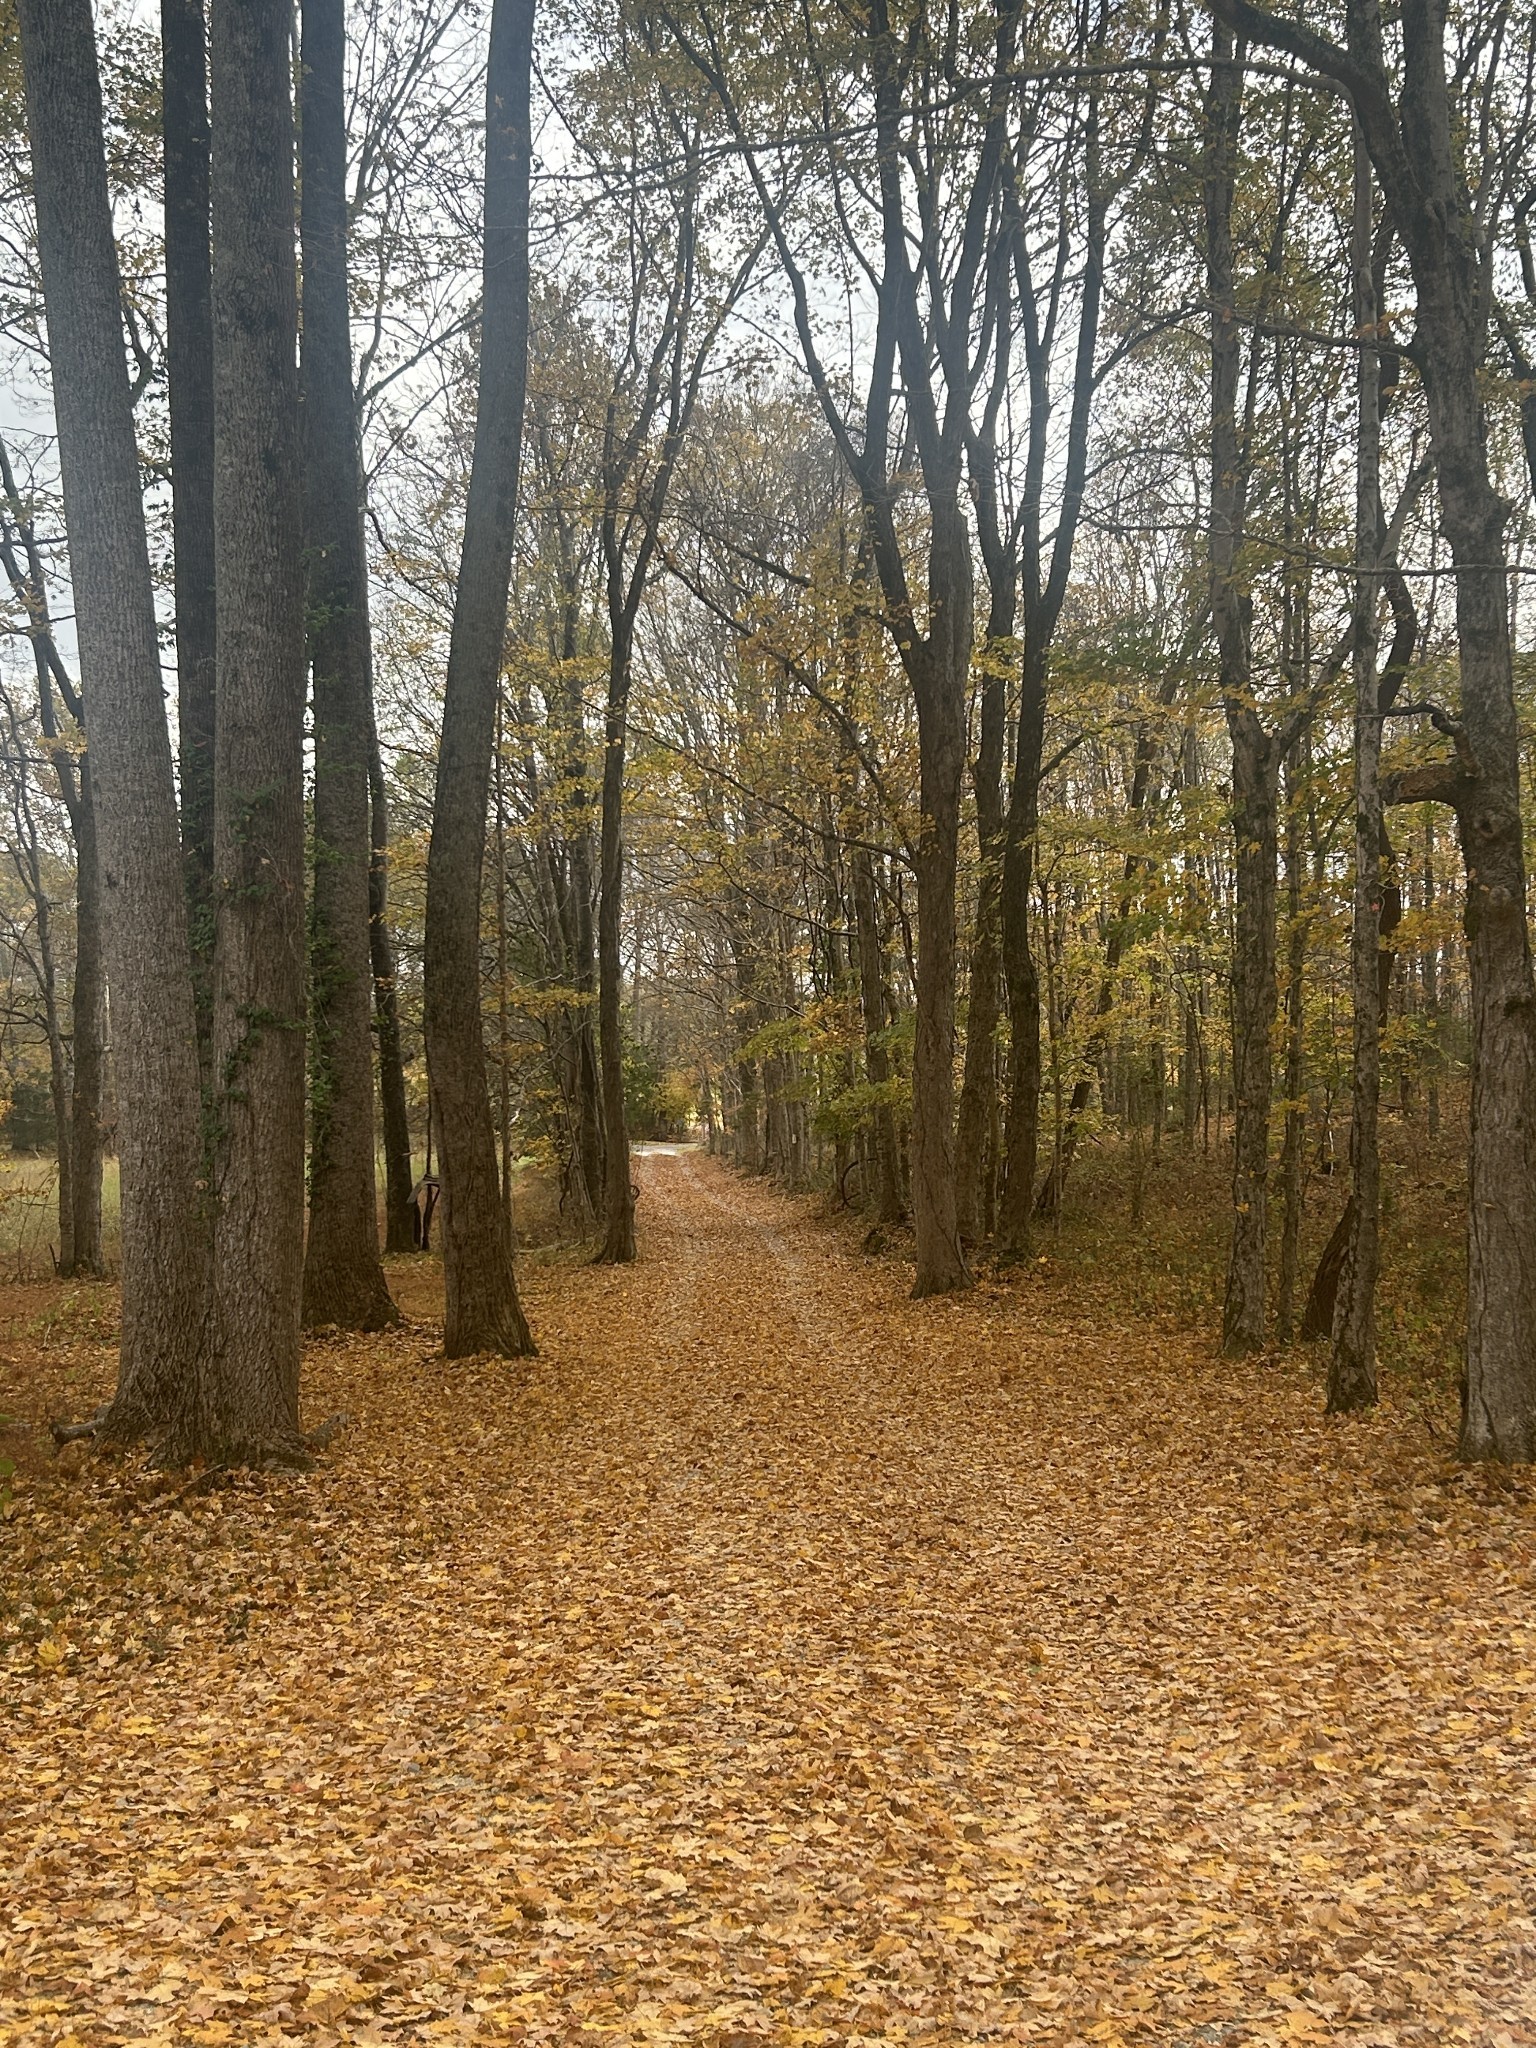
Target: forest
x,y
768,1031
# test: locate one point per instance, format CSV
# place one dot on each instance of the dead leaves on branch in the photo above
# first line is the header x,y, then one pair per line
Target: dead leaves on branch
x,y
776,1660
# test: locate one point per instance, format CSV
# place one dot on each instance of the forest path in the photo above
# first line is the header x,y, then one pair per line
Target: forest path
x,y
778,1659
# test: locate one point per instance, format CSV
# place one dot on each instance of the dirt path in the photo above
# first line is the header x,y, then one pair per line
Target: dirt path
x,y
777,1659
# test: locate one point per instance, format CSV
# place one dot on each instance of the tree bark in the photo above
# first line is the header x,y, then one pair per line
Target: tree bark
x,y
1022,1123
189,386
1256,755
978,1086
164,1254
343,1280
1255,997
89,1020
1352,1367
939,681
618,1246
258,828
588,1169
1434,1051
399,1178
484,1313
1291,1173
877,1060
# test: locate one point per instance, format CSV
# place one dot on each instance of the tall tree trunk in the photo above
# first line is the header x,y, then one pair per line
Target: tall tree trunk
x,y
258,826
89,1017
1434,1057
1352,1367
343,1280
1499,1410
1255,754
877,1060
483,1309
618,1246
399,1178
978,1087
589,1162
1046,573
1255,996
1291,1175
940,688
669,391
189,385
1022,1127
164,1255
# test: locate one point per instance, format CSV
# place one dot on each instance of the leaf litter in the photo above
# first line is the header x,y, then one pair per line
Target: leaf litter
x,y
774,1659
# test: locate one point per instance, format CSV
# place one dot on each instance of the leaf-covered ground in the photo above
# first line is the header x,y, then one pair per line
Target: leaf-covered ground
x,y
774,1659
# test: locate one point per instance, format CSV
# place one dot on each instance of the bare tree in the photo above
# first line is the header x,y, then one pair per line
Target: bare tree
x,y
343,1280
483,1310
925,202
79,1114
189,387
258,991
1411,133
164,1256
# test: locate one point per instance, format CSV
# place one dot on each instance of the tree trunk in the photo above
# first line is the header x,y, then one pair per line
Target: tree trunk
x,y
258,826
877,1060
1255,756
1499,1414
1255,996
399,1178
1022,1132
189,386
589,1162
1291,1175
1352,1367
978,1088
941,1267
483,1309
748,1152
90,1024
343,1280
1425,190
164,1254
938,668
1431,983
619,1197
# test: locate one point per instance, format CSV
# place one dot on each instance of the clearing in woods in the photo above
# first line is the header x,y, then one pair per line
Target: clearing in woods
x,y
773,1659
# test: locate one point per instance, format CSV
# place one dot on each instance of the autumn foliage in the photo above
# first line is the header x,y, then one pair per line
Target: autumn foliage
x,y
945,1671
